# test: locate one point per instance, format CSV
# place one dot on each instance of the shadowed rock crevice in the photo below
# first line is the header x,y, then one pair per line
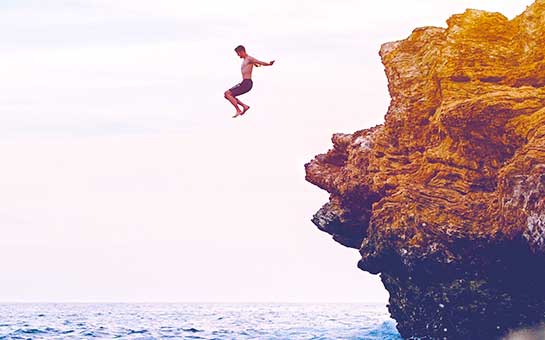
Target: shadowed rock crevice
x,y
446,199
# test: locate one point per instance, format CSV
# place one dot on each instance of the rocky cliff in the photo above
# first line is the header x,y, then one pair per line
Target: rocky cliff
x,y
446,199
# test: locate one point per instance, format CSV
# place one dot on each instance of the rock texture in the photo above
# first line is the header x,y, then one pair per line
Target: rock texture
x,y
446,199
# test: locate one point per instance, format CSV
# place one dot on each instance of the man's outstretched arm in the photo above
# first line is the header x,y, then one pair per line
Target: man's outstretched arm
x,y
260,63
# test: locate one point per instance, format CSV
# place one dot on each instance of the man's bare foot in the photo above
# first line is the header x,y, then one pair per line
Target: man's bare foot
x,y
246,108
239,113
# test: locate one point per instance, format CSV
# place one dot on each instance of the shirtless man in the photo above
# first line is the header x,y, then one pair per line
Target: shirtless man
x,y
246,85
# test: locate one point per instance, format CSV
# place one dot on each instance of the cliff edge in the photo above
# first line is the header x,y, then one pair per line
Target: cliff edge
x,y
446,199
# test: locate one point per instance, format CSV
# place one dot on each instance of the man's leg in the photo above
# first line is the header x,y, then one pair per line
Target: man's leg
x,y
229,96
244,106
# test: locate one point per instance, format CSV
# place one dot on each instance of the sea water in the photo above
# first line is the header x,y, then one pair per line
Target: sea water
x,y
196,321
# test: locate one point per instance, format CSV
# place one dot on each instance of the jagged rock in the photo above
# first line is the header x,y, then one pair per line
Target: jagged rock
x,y
446,199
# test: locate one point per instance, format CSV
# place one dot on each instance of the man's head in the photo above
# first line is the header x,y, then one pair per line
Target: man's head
x,y
241,51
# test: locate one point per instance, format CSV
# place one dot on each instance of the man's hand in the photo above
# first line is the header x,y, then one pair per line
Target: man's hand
x,y
258,63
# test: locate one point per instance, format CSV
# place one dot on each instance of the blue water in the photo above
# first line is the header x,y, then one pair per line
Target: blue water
x,y
196,321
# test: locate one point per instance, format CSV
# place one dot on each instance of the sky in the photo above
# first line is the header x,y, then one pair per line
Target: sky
x,y
124,177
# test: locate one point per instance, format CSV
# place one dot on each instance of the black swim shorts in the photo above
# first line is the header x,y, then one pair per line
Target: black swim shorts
x,y
241,88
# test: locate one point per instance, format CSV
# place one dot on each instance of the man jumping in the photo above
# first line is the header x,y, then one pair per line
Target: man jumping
x,y
246,85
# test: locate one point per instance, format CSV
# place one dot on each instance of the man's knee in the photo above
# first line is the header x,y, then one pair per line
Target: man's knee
x,y
227,94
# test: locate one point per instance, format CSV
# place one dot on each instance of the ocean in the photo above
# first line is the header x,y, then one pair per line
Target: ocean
x,y
196,321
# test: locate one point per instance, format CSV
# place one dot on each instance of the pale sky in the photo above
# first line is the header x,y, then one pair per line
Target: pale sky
x,y
124,177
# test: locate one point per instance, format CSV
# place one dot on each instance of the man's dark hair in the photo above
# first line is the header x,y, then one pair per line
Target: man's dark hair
x,y
240,48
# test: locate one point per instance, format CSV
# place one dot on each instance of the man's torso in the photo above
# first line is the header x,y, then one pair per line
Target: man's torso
x,y
246,68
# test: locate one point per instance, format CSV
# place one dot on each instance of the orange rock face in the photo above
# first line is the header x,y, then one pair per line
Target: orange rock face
x,y
454,180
